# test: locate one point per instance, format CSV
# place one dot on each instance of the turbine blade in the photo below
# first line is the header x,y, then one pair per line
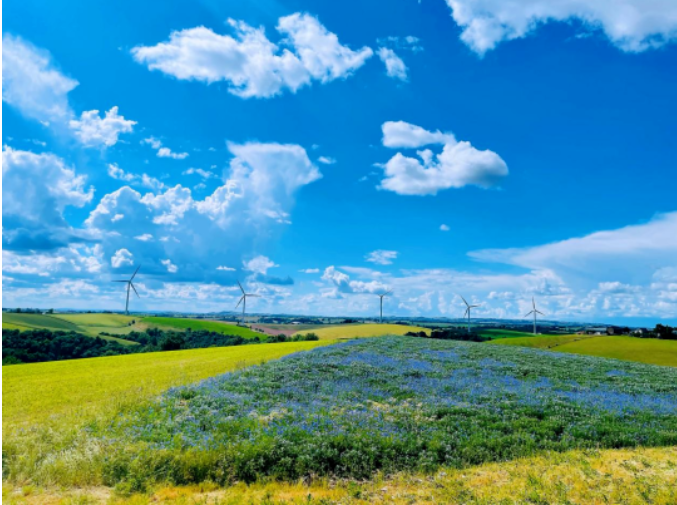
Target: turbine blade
x,y
132,285
473,306
241,288
464,301
539,312
119,281
134,274
252,294
533,302
238,303
529,313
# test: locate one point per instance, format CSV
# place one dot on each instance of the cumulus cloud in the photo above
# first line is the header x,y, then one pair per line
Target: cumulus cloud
x,y
122,257
444,227
458,165
249,62
32,83
171,267
205,174
163,151
95,131
395,67
381,257
326,160
259,265
36,190
144,180
630,25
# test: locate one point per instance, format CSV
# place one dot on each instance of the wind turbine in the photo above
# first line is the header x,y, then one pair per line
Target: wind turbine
x,y
130,285
467,311
381,296
243,300
534,312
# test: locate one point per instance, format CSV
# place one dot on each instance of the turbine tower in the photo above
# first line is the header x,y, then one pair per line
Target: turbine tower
x,y
467,311
243,300
534,312
381,296
130,285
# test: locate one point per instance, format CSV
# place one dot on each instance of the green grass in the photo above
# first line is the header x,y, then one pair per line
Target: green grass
x,y
200,324
99,319
641,350
542,342
500,333
33,393
349,331
37,321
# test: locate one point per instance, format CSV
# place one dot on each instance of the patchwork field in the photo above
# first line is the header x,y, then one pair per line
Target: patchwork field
x,y
642,350
348,331
200,324
31,321
499,334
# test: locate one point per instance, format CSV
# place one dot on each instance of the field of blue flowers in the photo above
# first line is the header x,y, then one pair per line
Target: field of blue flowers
x,y
389,404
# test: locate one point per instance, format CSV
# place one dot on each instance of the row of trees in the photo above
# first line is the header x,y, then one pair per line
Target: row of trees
x,y
450,334
661,331
35,346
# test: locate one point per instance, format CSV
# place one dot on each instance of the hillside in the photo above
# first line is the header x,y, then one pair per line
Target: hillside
x,y
641,350
178,323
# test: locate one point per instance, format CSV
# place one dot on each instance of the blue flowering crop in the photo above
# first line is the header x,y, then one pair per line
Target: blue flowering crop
x,y
390,404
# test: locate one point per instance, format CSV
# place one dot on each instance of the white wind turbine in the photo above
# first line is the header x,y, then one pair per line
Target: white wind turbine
x,y
243,300
467,311
381,296
534,311
130,285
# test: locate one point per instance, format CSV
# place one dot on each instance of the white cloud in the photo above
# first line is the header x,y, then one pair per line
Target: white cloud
x,y
94,131
630,25
444,227
36,188
171,268
145,237
259,265
252,65
166,152
326,160
205,174
32,83
226,269
153,142
144,180
408,43
459,164
310,271
121,258
381,257
343,284
395,67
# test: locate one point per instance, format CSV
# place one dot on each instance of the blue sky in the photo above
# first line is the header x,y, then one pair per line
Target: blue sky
x,y
322,152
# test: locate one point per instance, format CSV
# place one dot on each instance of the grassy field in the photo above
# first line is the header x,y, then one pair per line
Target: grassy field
x,y
349,331
31,321
33,393
642,350
498,334
628,476
200,324
543,341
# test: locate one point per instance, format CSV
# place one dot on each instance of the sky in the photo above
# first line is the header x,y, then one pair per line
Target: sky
x,y
322,152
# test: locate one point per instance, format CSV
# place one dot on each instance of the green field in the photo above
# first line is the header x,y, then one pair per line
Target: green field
x,y
31,321
200,324
33,393
642,350
500,333
348,331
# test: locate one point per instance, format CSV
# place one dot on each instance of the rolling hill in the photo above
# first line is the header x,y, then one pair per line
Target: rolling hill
x,y
349,331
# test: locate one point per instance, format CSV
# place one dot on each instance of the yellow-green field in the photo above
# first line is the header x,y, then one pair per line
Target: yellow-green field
x,y
363,330
500,333
627,476
200,324
33,393
642,350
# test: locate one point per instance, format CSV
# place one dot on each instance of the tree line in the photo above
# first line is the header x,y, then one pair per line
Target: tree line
x,y
34,346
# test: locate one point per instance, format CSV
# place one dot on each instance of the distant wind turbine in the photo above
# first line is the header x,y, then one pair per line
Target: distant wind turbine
x,y
381,296
534,312
467,311
243,300
130,285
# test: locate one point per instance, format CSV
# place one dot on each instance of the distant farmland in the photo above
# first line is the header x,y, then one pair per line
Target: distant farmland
x,y
348,331
500,333
642,350
200,324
